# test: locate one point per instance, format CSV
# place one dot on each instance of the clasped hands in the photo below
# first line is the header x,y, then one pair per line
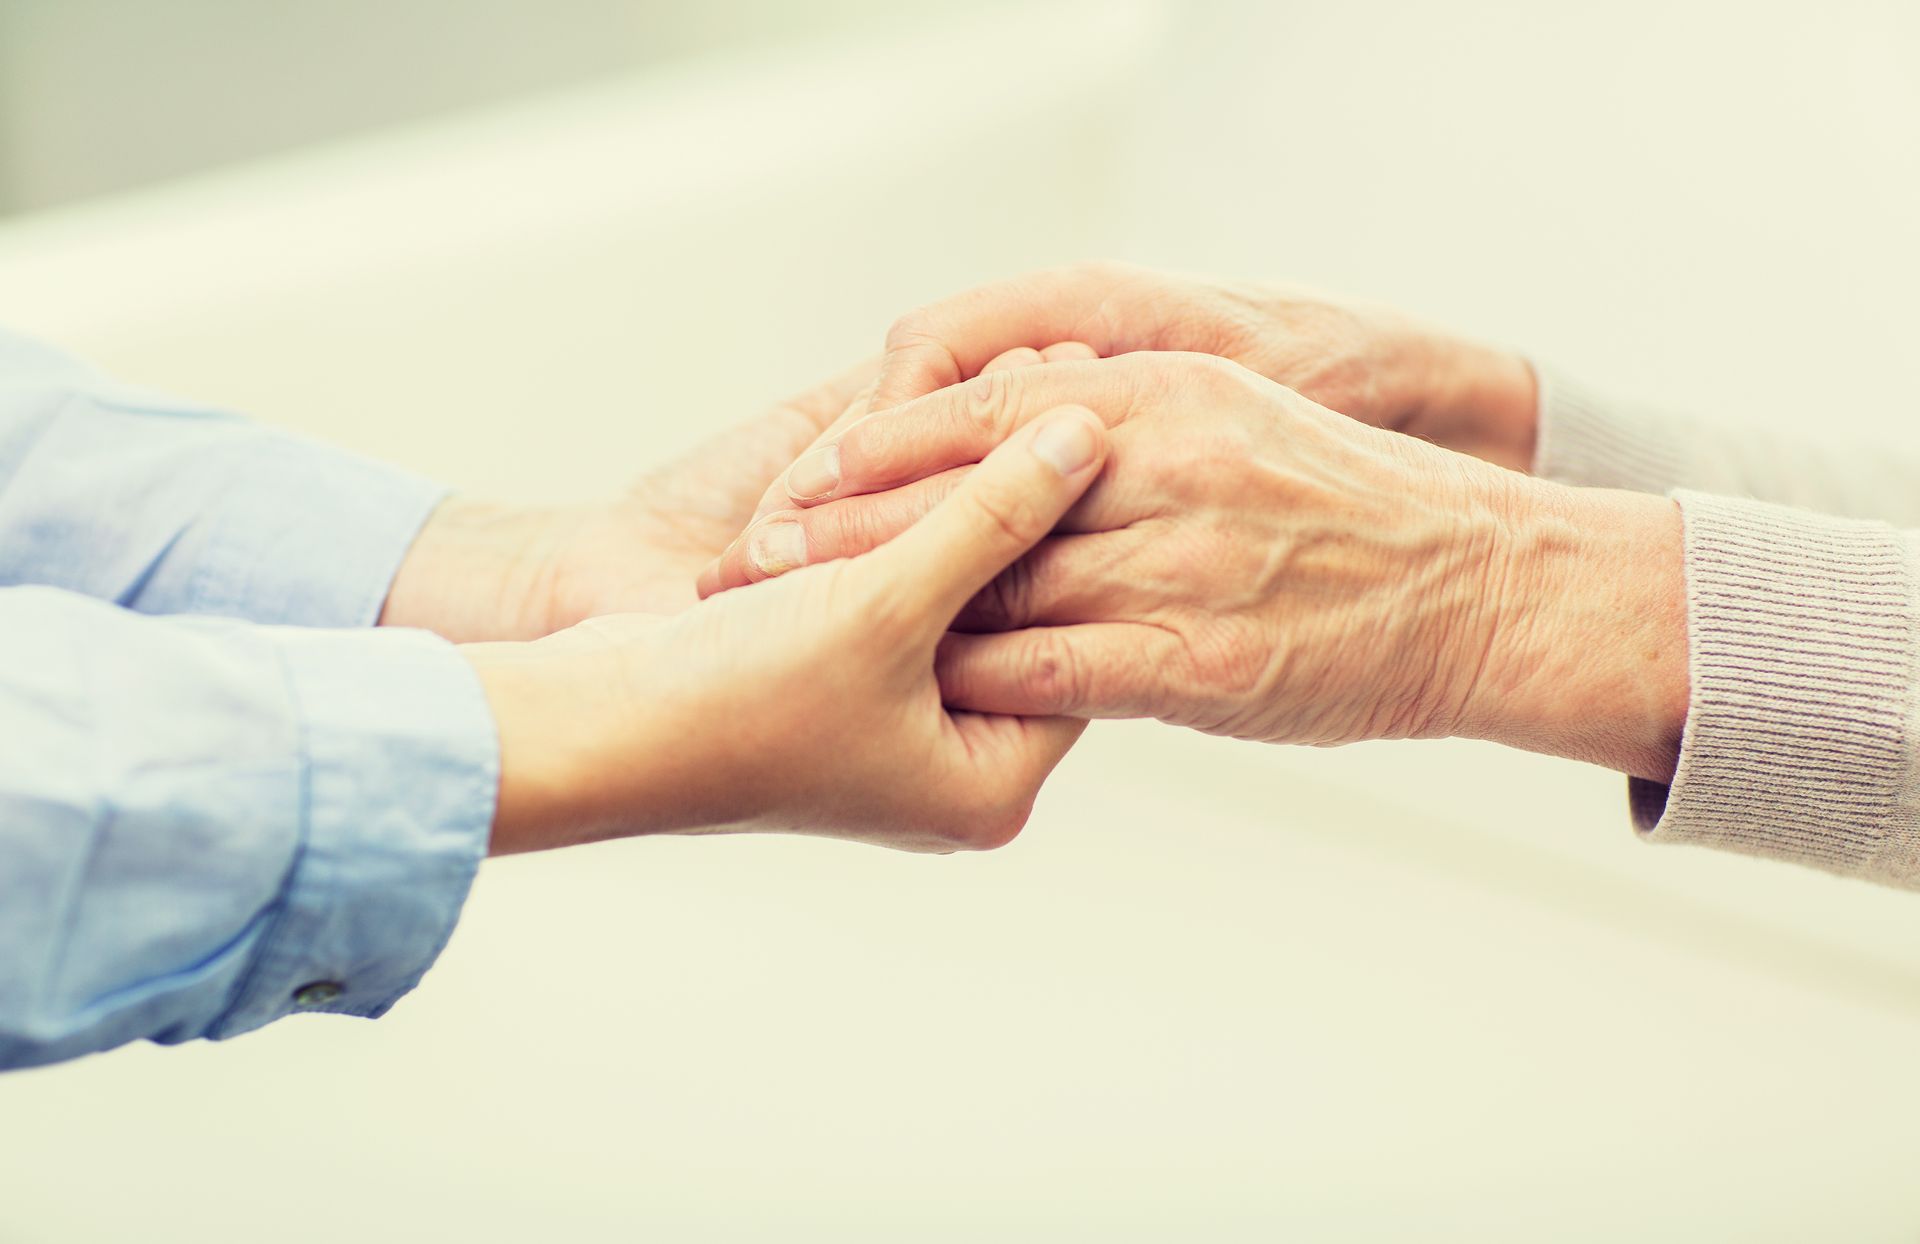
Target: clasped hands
x,y
1094,492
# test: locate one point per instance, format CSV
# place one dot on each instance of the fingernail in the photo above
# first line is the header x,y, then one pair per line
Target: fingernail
x,y
775,548
815,475
1066,444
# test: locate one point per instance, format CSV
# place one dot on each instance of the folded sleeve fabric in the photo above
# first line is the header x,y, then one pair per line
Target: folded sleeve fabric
x,y
1803,731
206,825
166,507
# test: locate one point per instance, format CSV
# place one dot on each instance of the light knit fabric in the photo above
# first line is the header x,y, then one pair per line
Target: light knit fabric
x,y
1803,633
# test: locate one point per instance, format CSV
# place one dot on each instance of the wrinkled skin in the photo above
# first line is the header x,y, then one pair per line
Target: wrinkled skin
x,y
1251,563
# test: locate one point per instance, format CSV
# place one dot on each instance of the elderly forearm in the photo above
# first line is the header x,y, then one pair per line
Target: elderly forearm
x,y
1764,704
1588,658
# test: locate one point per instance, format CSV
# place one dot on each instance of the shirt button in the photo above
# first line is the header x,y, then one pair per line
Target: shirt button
x,y
317,993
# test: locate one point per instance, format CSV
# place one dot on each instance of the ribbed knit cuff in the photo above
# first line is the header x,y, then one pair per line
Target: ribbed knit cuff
x,y
1586,441
1802,640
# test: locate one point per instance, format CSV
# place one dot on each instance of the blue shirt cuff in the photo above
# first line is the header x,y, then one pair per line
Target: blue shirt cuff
x,y
310,536
401,778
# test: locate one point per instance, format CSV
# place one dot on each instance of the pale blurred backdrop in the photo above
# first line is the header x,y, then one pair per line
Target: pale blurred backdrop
x,y
1217,991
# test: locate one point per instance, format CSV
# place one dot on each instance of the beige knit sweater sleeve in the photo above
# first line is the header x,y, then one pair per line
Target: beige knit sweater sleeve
x,y
1802,739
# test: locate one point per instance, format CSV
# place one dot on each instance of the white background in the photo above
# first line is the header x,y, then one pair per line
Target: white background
x,y
1217,991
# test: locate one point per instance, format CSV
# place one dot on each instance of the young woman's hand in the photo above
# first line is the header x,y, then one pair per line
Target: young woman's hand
x,y
479,571
807,705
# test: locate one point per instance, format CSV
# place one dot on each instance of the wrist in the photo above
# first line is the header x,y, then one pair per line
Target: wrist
x,y
480,572
600,739
535,808
1477,400
1586,655
576,765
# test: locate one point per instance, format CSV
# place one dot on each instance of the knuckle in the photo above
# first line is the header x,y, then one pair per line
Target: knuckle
x,y
1213,374
987,405
1160,377
1220,661
1051,678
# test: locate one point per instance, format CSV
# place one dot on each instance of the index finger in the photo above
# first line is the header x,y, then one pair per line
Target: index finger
x,y
960,425
999,512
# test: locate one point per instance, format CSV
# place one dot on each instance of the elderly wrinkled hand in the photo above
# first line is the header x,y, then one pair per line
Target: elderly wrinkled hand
x,y
1366,361
1251,563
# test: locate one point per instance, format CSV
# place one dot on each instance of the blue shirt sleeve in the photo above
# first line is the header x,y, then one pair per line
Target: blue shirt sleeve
x,y
206,825
167,507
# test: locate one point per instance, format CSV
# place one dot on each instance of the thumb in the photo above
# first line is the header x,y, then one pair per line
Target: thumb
x,y
1006,505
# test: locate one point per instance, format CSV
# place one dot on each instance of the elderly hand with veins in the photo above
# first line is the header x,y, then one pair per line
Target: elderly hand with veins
x,y
1366,361
767,548
1251,563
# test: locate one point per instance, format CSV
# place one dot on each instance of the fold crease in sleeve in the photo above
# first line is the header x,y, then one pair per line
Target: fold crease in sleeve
x,y
206,824
400,780
168,507
1802,638
307,535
